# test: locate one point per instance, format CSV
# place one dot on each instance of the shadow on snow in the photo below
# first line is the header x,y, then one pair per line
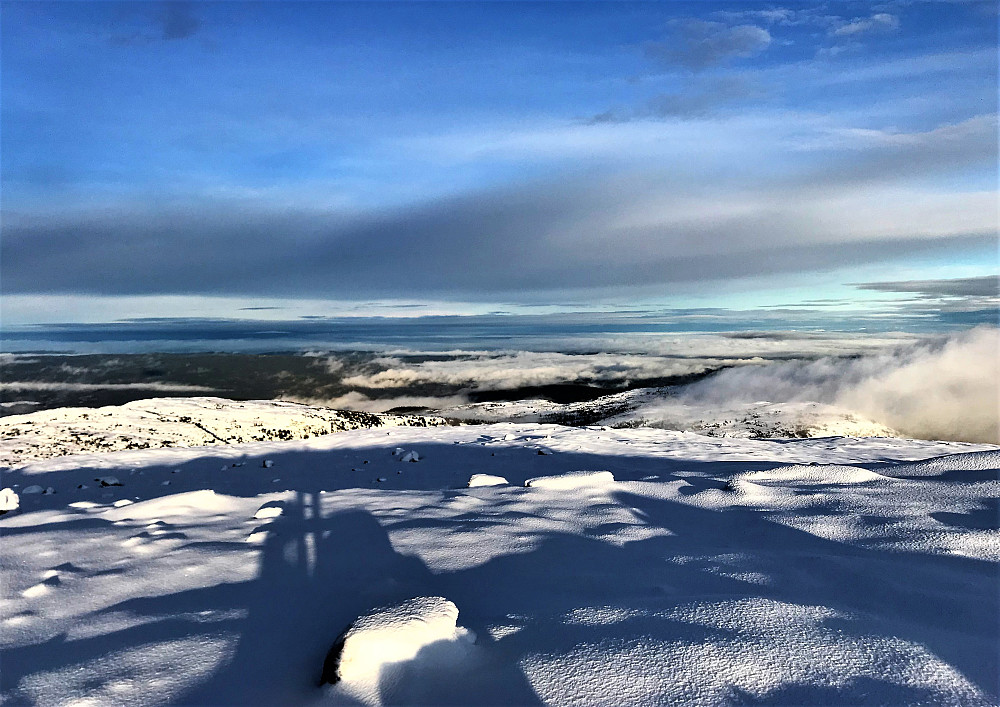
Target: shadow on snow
x,y
318,572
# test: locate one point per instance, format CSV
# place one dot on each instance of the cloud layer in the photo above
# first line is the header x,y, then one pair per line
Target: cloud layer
x,y
347,151
942,389
617,227
623,360
986,286
526,369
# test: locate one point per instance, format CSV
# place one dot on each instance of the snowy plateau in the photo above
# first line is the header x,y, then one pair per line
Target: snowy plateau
x,y
205,552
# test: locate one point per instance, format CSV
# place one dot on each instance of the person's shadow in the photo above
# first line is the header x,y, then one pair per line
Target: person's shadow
x,y
317,575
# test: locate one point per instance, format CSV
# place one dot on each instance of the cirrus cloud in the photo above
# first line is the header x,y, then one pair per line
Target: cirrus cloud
x,y
879,22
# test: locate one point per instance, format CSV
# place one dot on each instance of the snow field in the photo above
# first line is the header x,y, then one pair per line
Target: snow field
x,y
867,578
176,422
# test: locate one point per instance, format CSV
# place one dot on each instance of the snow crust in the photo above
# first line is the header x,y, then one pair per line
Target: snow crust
x,y
699,570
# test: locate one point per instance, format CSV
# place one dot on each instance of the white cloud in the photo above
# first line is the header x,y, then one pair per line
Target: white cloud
x,y
942,388
881,21
629,358
523,369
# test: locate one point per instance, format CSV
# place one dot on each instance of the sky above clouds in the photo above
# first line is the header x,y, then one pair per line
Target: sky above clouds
x,y
201,158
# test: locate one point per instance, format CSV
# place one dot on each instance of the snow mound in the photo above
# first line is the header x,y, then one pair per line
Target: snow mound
x,y
410,457
755,492
10,502
818,474
969,465
486,480
572,480
34,488
393,634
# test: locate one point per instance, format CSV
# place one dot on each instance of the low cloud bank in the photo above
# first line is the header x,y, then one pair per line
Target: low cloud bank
x,y
358,401
87,387
490,371
947,388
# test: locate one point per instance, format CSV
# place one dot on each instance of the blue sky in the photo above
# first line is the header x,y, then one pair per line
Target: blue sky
x,y
194,159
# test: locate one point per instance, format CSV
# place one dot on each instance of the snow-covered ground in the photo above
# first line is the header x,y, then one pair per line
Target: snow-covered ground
x,y
639,566
176,422
659,407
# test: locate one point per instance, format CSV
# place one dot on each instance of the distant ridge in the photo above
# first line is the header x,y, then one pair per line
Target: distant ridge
x,y
177,422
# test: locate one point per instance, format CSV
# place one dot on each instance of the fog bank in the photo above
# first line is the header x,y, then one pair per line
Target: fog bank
x,y
944,388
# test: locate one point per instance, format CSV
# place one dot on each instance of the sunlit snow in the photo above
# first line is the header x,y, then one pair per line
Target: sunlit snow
x,y
622,566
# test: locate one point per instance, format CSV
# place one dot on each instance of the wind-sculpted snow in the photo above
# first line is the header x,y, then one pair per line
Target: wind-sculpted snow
x,y
176,422
698,571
